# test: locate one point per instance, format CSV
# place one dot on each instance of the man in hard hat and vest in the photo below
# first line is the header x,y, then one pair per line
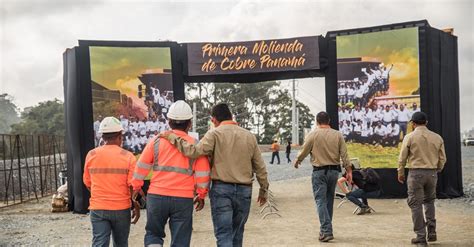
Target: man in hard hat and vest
x,y
175,182
108,174
235,157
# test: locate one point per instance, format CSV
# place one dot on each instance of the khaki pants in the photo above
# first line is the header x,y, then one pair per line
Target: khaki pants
x,y
422,193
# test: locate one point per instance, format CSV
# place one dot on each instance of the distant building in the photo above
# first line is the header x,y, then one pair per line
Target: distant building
x,y
157,78
101,93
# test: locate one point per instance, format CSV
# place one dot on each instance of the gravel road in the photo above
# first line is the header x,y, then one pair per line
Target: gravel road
x,y
32,223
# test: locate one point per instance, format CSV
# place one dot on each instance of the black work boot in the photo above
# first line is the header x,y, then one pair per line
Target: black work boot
x,y
432,234
325,237
418,241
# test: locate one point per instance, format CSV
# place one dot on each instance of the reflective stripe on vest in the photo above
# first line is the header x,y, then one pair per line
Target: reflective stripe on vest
x,y
144,165
138,176
157,167
108,171
203,185
202,173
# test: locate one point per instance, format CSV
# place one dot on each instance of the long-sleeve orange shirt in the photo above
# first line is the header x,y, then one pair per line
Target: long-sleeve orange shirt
x,y
108,173
173,173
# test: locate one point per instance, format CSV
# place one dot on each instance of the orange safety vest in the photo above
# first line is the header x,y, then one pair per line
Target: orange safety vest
x,y
108,173
275,147
173,173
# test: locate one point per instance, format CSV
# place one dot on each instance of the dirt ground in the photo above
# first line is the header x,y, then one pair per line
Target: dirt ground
x,y
33,224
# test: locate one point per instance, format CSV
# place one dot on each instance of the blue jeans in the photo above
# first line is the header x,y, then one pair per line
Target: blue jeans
x,y
178,210
230,207
105,222
324,189
357,194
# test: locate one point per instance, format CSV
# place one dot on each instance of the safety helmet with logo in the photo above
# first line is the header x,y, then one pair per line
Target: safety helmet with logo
x,y
110,125
180,110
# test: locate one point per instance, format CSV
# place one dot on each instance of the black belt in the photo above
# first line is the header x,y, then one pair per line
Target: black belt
x,y
327,168
221,182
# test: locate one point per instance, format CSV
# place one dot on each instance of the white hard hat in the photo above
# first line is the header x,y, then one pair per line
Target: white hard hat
x,y
180,110
110,125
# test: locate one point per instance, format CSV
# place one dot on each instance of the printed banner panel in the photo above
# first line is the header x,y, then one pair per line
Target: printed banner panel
x,y
260,56
378,91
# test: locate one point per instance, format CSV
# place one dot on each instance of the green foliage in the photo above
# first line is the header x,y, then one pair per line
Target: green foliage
x,y
45,118
263,108
8,113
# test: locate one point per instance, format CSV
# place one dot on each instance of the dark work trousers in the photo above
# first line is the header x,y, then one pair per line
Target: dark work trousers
x,y
230,208
275,154
422,194
288,157
177,211
107,222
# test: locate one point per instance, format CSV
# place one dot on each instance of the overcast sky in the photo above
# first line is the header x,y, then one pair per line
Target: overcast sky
x,y
34,33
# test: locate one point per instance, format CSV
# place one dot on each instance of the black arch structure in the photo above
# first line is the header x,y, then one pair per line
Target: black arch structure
x,y
439,92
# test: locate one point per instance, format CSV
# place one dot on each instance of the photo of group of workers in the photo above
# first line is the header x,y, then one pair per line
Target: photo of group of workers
x,y
385,125
378,92
137,132
359,90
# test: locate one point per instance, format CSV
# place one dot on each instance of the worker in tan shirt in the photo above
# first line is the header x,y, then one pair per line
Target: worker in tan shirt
x,y
423,154
327,148
235,157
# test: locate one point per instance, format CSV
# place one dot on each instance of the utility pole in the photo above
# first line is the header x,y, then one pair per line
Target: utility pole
x,y
194,116
294,128
297,126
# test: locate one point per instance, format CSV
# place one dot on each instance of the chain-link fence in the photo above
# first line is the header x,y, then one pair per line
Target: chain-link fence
x,y
31,166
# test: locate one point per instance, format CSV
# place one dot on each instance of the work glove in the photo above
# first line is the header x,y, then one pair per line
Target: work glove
x,y
199,203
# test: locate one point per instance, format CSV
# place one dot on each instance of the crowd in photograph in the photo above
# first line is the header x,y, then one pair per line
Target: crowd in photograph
x,y
361,89
379,124
361,119
158,102
138,131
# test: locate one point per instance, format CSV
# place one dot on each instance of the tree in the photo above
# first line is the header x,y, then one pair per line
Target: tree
x,y
8,113
263,108
45,118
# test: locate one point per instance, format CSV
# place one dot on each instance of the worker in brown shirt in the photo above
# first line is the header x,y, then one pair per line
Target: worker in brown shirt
x,y
235,157
423,154
327,148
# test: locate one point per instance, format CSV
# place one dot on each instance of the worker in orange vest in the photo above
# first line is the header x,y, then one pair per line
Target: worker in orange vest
x,y
175,182
108,174
275,151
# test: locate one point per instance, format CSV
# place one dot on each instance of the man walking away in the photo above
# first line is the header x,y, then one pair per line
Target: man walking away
x,y
275,151
288,151
235,157
175,181
423,150
327,148
107,175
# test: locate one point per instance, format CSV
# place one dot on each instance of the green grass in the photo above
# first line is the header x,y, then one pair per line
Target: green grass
x,y
374,156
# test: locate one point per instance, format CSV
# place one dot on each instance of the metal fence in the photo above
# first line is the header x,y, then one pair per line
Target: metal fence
x,y
30,167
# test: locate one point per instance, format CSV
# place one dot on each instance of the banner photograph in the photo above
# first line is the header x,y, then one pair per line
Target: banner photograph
x,y
378,91
135,85
253,56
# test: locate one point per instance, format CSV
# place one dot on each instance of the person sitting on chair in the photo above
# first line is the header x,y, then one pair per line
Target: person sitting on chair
x,y
367,182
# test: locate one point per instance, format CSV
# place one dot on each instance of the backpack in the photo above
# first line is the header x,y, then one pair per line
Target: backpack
x,y
370,175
